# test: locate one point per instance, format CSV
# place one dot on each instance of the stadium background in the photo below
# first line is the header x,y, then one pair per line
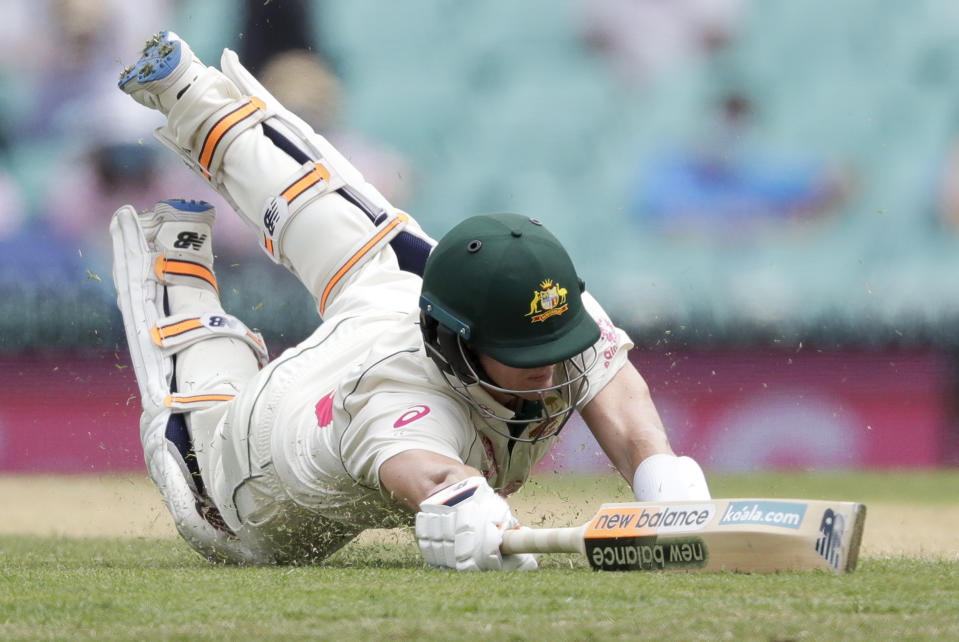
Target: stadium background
x,y
787,272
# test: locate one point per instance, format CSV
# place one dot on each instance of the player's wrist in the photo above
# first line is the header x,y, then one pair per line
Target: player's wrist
x,y
456,492
665,477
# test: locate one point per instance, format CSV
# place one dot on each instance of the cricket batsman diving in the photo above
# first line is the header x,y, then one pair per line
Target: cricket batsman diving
x,y
442,372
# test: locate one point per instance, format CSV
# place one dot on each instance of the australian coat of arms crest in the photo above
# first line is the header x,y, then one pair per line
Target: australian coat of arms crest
x,y
548,301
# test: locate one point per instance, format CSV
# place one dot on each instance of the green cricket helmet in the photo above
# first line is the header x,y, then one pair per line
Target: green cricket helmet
x,y
502,285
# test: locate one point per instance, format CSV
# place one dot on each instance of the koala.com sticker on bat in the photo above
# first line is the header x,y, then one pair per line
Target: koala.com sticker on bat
x,y
781,514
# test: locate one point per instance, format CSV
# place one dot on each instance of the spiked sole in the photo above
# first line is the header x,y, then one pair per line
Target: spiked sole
x,y
159,59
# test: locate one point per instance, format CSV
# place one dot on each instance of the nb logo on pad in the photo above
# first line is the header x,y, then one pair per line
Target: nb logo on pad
x,y
270,218
189,241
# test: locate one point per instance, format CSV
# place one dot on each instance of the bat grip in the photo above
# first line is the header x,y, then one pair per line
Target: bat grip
x,y
543,540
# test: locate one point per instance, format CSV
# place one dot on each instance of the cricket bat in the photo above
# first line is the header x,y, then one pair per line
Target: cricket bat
x,y
738,535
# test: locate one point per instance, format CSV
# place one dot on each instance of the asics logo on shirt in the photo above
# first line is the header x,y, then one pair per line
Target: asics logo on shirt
x,y
411,414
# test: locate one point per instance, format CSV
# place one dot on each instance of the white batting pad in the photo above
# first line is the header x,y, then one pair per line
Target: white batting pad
x,y
139,298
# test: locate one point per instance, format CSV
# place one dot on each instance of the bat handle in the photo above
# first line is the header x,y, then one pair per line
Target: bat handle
x,y
543,540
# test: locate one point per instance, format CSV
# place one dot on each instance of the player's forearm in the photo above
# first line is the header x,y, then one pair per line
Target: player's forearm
x,y
625,422
413,475
628,447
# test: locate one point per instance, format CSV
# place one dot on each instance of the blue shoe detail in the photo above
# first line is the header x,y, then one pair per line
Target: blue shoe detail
x,y
188,206
160,57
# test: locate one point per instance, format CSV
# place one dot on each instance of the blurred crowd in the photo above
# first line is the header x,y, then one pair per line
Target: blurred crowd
x,y
709,192
73,148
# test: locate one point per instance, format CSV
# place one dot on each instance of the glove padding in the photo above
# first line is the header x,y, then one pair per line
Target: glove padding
x,y
668,478
461,527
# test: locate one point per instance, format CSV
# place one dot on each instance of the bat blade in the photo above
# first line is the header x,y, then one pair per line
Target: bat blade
x,y
742,535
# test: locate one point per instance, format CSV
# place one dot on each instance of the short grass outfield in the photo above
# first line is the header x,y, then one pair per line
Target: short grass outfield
x,y
377,588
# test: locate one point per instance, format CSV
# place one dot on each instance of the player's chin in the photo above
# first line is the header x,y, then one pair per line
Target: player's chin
x,y
533,395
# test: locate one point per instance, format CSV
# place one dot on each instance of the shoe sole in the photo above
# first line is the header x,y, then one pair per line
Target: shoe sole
x,y
159,59
184,205
175,210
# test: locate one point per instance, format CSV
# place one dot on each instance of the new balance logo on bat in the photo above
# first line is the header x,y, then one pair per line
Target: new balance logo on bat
x,y
189,241
646,554
630,520
829,544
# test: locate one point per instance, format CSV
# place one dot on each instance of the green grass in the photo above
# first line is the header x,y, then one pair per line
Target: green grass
x,y
111,589
122,589
931,487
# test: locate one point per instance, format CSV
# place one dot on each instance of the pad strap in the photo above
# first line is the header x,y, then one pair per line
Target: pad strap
x,y
174,333
189,403
311,181
388,226
222,128
170,270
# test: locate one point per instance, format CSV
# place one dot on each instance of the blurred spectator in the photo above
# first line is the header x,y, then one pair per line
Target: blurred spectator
x,y
110,171
115,162
12,207
271,28
76,155
948,188
304,83
644,38
63,54
109,158
280,48
727,189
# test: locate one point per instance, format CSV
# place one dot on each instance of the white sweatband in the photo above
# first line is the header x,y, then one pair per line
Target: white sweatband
x,y
668,478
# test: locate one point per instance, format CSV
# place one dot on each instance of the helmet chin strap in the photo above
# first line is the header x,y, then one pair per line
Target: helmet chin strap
x,y
464,374
574,387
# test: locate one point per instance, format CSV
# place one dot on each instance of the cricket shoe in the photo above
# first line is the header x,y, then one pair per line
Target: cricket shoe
x,y
164,72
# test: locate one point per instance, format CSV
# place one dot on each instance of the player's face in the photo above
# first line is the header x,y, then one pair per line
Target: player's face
x,y
511,378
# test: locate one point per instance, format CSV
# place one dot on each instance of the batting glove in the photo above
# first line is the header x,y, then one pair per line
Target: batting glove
x,y
461,527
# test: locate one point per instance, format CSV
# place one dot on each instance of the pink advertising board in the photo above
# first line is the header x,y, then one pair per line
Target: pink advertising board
x,y
793,409
732,410
69,413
